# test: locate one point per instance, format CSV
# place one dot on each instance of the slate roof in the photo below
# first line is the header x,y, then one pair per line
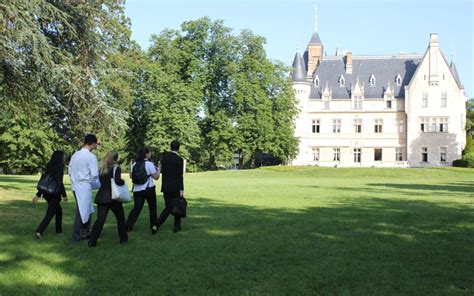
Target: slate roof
x,y
315,39
453,69
299,69
384,68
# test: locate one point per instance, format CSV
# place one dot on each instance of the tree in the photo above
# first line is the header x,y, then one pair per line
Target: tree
x,y
56,67
470,116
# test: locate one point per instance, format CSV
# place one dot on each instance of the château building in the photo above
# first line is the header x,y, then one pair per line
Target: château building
x,y
383,110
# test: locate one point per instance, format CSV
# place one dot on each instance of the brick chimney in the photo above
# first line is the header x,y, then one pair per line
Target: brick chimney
x,y
349,63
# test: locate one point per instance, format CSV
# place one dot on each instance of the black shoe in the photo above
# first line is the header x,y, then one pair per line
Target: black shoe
x,y
90,245
176,229
154,229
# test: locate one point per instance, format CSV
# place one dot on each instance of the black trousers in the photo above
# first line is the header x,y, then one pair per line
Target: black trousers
x,y
139,200
54,209
102,210
169,197
80,230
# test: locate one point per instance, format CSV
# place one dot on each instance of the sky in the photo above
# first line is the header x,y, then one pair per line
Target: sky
x,y
365,27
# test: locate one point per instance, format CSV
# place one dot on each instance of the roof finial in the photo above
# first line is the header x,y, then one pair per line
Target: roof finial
x,y
315,6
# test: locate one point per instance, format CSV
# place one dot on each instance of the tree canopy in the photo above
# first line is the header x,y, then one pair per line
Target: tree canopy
x,y
69,68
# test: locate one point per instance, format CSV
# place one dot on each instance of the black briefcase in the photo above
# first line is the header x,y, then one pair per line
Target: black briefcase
x,y
179,207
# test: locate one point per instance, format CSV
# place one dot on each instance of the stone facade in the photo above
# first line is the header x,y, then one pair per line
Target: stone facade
x,y
383,111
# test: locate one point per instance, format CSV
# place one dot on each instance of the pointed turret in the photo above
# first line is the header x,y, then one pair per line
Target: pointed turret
x,y
314,52
299,70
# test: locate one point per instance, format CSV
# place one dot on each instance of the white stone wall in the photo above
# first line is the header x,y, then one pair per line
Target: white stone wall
x,y
432,78
393,133
401,124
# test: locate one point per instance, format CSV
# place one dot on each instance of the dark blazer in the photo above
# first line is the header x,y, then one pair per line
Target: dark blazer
x,y
172,173
57,172
104,195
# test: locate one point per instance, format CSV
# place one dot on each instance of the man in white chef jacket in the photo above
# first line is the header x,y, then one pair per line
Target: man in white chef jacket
x,y
84,174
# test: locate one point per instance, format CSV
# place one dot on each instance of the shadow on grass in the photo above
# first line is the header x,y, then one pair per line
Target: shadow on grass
x,y
463,187
371,246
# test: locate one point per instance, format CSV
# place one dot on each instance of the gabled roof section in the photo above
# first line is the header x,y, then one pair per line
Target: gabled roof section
x,y
299,69
454,71
315,39
384,68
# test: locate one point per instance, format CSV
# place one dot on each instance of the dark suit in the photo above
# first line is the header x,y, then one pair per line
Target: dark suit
x,y
105,203
171,183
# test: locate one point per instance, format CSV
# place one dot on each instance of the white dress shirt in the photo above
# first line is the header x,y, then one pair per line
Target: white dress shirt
x,y
83,168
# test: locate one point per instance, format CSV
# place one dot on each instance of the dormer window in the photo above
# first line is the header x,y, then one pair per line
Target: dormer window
x,y
398,80
316,81
372,80
342,81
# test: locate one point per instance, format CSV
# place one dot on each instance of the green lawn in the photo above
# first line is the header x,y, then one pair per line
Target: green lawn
x,y
274,231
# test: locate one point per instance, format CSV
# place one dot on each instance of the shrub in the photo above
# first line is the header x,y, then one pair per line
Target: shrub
x,y
461,163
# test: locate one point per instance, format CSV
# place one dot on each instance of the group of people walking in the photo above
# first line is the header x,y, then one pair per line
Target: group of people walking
x,y
87,174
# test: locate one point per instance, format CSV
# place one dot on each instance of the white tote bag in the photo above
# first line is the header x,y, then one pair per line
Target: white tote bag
x,y
119,193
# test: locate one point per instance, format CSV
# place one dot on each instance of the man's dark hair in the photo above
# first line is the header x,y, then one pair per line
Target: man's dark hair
x,y
90,139
175,145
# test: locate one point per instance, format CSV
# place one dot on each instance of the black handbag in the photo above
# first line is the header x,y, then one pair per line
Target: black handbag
x,y
179,207
48,184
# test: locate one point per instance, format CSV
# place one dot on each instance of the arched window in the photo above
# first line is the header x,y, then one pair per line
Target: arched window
x,y
342,81
398,80
372,80
316,81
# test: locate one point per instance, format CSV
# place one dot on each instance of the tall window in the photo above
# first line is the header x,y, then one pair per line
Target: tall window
x,y
424,122
443,125
444,99
337,154
398,154
442,153
378,154
424,100
315,154
424,154
316,81
378,126
358,126
357,155
433,125
336,126
315,127
389,104
357,102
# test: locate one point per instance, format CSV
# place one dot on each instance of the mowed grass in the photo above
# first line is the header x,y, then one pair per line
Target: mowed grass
x,y
273,231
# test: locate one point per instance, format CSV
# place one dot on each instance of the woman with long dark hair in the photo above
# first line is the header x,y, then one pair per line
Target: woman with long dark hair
x,y
108,169
143,173
55,168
